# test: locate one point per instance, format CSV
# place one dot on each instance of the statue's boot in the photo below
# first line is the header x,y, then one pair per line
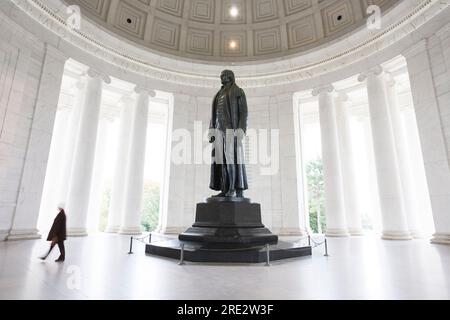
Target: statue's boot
x,y
240,193
230,194
222,194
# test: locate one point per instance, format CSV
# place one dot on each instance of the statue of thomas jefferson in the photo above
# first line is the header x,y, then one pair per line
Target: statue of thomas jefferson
x,y
227,131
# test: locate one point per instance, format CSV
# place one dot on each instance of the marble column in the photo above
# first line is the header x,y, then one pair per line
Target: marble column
x,y
432,134
120,169
417,167
84,155
332,171
50,198
173,218
409,194
25,219
286,182
134,185
98,175
373,199
70,141
351,198
394,222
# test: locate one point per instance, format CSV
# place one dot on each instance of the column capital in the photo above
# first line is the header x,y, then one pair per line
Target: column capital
x,y
145,90
325,89
94,73
375,71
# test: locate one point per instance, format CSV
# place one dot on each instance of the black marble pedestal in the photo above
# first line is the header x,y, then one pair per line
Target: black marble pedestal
x,y
229,223
197,252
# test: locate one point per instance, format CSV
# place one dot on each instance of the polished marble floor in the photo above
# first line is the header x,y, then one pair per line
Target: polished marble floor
x,y
98,267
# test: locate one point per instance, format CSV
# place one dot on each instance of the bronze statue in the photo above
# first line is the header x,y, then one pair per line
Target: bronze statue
x,y
227,131
228,220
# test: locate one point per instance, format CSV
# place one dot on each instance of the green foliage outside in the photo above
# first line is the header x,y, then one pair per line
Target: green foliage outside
x,y
150,207
104,209
316,193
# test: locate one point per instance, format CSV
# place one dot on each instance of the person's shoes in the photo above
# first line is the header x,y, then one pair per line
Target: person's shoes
x,y
42,258
60,260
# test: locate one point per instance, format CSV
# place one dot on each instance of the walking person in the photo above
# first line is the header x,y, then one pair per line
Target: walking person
x,y
57,234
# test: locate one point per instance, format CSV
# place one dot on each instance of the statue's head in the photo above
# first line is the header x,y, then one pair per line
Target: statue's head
x,y
227,77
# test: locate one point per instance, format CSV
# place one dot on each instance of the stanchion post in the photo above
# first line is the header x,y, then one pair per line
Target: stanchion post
x,y
326,248
309,240
131,246
181,255
267,255
150,238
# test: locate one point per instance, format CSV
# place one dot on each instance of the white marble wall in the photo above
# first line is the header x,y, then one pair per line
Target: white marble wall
x,y
38,148
29,81
429,71
189,183
284,185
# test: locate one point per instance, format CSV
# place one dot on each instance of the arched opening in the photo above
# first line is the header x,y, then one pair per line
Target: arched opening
x,y
362,153
116,96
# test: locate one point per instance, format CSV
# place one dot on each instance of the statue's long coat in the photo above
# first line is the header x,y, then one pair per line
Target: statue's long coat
x,y
235,117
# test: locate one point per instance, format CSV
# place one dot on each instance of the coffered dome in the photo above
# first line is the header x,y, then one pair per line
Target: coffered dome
x,y
230,30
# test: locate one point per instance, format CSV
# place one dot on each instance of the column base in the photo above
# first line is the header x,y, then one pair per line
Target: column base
x,y
130,231
290,232
356,232
77,232
396,235
113,229
441,238
337,233
23,234
172,230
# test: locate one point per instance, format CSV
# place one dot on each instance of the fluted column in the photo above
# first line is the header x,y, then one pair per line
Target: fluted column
x,y
409,194
134,184
84,155
120,169
70,141
351,197
394,223
334,197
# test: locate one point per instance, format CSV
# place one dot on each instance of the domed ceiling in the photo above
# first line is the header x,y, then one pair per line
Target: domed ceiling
x,y
230,30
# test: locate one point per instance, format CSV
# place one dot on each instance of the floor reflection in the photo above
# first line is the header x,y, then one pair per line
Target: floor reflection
x,y
357,268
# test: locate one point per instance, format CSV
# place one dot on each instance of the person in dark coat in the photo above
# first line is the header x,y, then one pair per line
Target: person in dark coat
x,y
58,234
